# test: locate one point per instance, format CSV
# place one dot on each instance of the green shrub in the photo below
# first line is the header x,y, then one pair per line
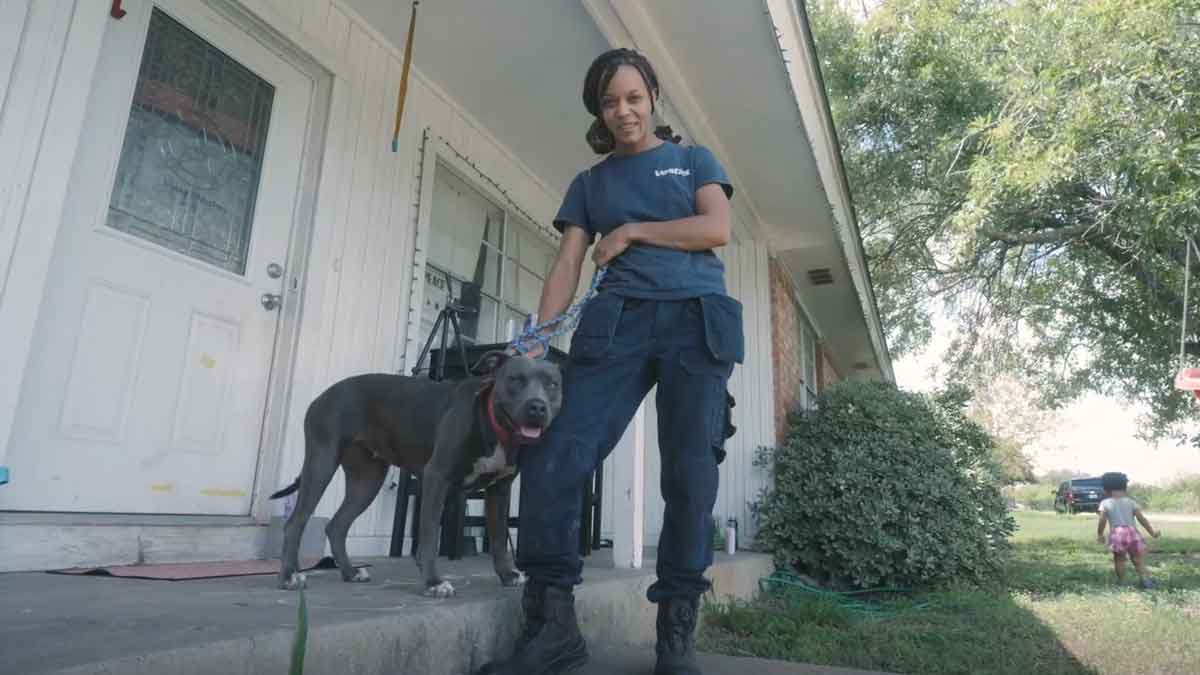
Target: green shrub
x,y
1036,496
1179,496
1147,496
881,487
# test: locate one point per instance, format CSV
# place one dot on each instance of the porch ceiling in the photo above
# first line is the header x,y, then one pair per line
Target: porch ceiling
x,y
728,55
516,66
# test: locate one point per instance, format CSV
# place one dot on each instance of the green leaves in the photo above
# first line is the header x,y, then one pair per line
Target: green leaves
x,y
300,642
1029,168
883,487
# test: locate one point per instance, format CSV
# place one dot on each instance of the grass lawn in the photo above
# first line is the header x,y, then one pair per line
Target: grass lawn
x,y
1057,611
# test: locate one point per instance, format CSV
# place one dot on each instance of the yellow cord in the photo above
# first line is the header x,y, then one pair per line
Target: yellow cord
x,y
412,25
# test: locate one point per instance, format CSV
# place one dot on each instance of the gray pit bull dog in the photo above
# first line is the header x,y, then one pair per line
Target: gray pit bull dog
x,y
461,435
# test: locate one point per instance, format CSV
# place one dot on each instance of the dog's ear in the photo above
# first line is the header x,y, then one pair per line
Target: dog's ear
x,y
490,362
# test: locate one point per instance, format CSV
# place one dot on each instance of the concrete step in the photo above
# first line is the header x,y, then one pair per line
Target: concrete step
x,y
55,623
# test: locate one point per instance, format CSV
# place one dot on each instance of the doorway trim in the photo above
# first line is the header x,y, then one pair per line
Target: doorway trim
x,y
283,355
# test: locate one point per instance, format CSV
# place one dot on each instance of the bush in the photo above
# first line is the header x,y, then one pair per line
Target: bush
x,y
883,487
1179,496
1036,496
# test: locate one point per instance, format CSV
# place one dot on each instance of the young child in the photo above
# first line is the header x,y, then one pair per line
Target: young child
x,y
1119,510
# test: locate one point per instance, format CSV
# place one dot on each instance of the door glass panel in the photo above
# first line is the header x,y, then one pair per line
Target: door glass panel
x,y
192,156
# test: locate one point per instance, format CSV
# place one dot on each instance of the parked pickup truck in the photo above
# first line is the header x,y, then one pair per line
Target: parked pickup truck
x,y
1079,494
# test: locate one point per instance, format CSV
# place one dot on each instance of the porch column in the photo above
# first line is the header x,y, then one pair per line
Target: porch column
x,y
628,479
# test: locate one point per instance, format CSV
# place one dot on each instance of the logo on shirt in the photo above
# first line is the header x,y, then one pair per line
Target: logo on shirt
x,y
659,173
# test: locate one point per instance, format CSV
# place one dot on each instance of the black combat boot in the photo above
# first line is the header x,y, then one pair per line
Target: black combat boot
x,y
554,647
533,602
676,647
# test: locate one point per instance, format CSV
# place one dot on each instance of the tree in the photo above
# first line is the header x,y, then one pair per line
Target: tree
x,y
1060,475
1031,169
1001,405
1011,462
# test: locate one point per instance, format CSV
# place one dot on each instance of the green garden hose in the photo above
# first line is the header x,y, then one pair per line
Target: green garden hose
x,y
782,583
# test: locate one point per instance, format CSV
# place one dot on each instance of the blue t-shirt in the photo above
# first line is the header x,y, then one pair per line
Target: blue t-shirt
x,y
652,186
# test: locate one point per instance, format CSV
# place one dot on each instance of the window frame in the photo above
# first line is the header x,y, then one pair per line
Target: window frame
x,y
439,155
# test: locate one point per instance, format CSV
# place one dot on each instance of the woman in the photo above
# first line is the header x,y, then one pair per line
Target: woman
x,y
662,317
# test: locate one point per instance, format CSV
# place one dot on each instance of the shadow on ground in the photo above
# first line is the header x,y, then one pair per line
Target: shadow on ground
x,y
1057,610
960,632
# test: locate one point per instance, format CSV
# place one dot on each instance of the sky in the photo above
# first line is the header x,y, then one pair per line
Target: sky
x,y
1093,435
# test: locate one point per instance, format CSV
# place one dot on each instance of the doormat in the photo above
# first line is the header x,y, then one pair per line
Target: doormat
x,y
197,570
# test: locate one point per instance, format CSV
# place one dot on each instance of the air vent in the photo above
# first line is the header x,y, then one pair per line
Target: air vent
x,y
820,276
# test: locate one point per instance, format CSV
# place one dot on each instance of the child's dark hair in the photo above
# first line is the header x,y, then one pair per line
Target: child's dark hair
x,y
1114,480
598,76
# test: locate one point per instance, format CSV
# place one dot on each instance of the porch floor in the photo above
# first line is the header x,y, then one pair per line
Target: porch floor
x,y
57,623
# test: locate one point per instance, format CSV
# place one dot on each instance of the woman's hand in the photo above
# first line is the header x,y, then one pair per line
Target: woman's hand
x,y
613,244
535,350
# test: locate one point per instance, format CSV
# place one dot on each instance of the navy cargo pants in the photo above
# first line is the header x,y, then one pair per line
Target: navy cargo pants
x,y
621,348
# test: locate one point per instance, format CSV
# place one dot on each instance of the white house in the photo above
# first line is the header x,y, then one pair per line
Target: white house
x,y
203,224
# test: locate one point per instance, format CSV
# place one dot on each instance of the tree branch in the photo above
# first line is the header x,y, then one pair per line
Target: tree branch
x,y
1050,236
1163,295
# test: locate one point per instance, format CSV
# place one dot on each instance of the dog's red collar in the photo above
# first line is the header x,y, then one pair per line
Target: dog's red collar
x,y
506,437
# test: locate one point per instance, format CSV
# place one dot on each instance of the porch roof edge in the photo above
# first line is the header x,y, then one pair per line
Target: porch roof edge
x,y
792,24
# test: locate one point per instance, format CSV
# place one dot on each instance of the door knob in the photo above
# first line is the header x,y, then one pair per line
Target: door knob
x,y
271,301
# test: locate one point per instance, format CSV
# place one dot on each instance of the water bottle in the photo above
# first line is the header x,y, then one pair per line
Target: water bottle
x,y
731,536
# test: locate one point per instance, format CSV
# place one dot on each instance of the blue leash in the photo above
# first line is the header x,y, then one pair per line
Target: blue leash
x,y
566,321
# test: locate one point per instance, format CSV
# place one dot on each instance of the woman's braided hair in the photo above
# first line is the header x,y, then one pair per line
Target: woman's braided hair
x,y
598,76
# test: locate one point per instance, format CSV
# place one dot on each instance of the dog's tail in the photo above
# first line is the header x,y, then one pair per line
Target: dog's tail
x,y
287,490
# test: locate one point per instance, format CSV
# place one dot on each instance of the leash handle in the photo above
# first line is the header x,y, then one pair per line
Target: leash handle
x,y
566,321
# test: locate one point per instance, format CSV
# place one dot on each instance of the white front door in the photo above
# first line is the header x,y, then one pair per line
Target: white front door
x,y
146,388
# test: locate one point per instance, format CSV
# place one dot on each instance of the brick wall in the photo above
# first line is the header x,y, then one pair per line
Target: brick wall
x,y
786,328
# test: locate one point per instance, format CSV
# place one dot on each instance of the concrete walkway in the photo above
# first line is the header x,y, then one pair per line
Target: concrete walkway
x,y
55,623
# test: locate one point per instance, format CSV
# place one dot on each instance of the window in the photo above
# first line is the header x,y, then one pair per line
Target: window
x,y
809,358
193,150
486,257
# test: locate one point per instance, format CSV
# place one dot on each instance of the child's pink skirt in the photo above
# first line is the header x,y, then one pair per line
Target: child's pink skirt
x,y
1125,539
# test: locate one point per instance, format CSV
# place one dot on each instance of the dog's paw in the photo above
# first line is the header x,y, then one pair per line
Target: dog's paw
x,y
515,578
442,590
294,582
361,575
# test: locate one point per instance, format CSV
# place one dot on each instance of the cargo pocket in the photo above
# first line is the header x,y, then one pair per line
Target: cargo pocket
x,y
724,345
723,334
708,377
593,336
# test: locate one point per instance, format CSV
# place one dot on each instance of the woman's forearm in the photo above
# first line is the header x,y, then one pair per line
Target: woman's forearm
x,y
559,289
694,233
708,229
563,280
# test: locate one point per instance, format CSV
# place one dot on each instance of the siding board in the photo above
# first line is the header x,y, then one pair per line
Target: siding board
x,y
364,270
